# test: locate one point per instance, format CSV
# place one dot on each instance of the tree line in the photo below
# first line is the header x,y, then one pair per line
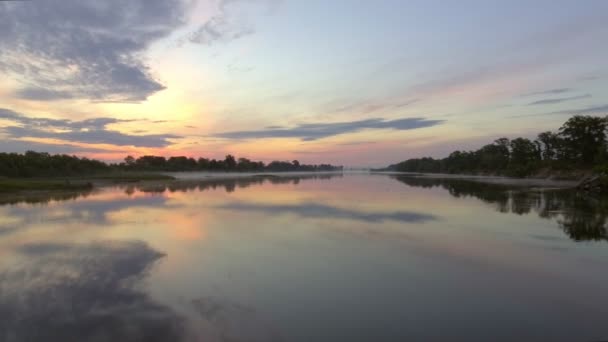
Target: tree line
x,y
228,164
42,164
580,143
36,164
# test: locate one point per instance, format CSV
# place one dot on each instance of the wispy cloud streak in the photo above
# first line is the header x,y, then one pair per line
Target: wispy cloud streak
x,y
547,92
308,132
559,100
314,210
90,131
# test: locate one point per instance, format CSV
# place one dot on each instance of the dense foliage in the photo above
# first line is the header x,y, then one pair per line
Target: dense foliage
x,y
35,164
230,163
579,144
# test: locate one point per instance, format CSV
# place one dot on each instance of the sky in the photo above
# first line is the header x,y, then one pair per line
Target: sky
x,y
355,83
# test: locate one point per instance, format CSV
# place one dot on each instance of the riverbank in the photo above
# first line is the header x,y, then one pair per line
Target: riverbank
x,y
9,185
499,180
12,185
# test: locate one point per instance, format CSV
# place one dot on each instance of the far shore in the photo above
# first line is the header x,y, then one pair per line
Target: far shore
x,y
499,180
79,183
85,183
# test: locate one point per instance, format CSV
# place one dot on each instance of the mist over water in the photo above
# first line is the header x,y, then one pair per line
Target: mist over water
x,y
317,257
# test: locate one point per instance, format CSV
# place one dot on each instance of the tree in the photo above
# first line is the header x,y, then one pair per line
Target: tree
x,y
494,157
549,145
584,138
524,157
230,162
523,151
129,161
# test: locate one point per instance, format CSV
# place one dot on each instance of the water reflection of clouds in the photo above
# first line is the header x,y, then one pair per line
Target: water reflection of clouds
x,y
96,292
68,290
9,223
323,211
227,320
71,292
93,212
154,216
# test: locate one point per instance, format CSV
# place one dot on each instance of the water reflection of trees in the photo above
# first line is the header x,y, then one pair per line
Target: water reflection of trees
x,y
42,197
581,217
228,184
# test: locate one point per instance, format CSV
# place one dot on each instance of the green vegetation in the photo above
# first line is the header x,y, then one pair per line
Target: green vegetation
x,y
580,144
229,164
13,185
43,165
130,176
34,164
43,171
75,183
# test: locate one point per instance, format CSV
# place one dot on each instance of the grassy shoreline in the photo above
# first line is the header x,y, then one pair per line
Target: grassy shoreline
x,y
9,185
13,185
87,183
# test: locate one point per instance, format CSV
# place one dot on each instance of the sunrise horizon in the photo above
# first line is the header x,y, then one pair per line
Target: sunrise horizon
x,y
359,84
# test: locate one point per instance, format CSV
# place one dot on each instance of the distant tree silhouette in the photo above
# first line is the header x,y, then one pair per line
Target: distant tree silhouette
x,y
579,143
35,164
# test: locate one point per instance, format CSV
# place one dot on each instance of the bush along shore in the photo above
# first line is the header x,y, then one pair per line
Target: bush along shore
x,y
77,184
33,171
20,184
578,150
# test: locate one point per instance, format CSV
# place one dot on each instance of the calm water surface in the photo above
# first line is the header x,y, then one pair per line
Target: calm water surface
x,y
348,257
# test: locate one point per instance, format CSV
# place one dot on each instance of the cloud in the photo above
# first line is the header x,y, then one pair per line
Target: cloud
x,y
356,143
87,49
547,92
589,78
231,22
367,107
20,146
602,109
314,210
90,131
41,94
559,100
308,132
101,136
218,29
